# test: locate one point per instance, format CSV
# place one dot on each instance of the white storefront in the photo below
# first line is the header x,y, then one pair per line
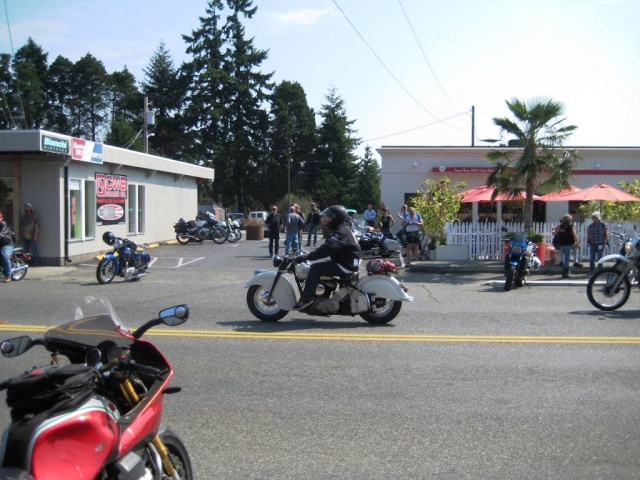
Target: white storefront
x,y
81,189
405,169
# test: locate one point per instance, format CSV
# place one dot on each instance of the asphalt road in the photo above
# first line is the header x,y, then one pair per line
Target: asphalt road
x,y
468,382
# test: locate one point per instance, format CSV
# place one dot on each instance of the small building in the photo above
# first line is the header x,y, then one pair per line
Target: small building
x,y
405,169
80,189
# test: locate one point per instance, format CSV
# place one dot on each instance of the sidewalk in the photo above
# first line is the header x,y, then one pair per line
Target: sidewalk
x,y
38,273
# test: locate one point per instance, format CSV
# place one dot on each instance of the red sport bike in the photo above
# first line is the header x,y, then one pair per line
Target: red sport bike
x,y
98,416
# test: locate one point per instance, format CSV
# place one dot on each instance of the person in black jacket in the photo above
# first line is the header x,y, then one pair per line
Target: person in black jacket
x,y
341,247
7,238
275,223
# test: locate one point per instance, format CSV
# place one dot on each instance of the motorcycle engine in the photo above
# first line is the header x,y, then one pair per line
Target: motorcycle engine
x,y
326,305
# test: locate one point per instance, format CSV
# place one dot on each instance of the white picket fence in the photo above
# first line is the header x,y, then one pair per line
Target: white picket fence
x,y
485,240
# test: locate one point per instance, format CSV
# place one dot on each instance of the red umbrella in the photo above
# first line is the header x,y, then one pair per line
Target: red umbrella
x,y
601,191
558,196
483,194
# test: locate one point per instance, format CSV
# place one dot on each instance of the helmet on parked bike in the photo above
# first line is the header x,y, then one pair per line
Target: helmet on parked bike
x,y
108,238
337,215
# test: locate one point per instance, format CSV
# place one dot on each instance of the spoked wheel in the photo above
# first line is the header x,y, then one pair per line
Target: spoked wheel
x,y
232,237
508,283
383,314
219,236
106,270
16,263
178,455
239,234
602,292
182,239
263,307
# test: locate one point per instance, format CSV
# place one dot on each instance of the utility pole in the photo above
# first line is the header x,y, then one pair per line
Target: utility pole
x,y
473,125
145,110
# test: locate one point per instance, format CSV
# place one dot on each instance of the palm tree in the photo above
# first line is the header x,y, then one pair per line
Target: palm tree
x,y
539,163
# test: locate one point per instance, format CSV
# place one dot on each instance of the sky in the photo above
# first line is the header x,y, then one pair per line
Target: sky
x,y
408,71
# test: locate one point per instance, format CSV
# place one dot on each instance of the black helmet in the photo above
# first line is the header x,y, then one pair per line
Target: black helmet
x,y
337,214
109,238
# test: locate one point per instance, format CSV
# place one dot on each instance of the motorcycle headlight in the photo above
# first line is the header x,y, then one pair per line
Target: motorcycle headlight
x,y
516,249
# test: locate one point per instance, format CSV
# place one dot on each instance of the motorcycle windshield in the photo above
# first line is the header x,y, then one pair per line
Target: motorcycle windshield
x,y
93,322
520,238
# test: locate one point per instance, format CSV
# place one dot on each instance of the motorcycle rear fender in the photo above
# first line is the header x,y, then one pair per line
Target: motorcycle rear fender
x,y
283,294
614,257
383,286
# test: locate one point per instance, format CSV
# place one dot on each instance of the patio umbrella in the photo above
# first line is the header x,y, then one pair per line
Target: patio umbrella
x,y
600,191
558,196
483,193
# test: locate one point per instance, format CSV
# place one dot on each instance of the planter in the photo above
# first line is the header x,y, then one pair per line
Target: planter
x,y
254,232
452,252
542,251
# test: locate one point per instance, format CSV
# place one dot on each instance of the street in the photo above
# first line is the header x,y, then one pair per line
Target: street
x,y
468,381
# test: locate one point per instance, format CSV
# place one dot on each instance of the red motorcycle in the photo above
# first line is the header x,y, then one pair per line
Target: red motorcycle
x,y
97,417
20,261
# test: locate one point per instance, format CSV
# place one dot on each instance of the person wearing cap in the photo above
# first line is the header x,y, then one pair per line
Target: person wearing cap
x,y
274,222
597,238
29,226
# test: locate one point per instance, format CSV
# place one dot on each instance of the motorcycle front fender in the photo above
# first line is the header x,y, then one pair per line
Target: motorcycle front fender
x,y
613,258
283,293
383,286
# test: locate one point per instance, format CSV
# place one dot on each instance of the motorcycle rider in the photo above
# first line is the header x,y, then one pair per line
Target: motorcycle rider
x,y
341,246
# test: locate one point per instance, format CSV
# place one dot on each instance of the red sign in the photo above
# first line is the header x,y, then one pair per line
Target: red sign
x,y
111,198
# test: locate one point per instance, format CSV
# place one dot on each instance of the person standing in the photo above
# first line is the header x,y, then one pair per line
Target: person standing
x,y
386,222
6,247
597,237
274,222
565,236
29,226
292,225
402,214
413,223
313,220
301,215
370,216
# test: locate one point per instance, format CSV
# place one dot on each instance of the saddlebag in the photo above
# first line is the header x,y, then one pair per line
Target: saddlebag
x,y
55,387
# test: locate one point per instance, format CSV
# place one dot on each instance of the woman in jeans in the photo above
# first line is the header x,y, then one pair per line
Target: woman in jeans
x,y
413,223
565,236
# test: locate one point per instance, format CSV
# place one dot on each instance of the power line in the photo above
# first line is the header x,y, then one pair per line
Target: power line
x,y
425,56
416,128
383,64
13,54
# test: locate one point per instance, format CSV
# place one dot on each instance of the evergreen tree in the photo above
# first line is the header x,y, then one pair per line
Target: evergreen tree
x,y
333,168
367,181
292,142
225,103
126,107
90,98
7,106
166,89
58,90
30,74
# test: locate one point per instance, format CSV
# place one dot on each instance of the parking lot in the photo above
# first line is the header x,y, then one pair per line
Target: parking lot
x,y
468,382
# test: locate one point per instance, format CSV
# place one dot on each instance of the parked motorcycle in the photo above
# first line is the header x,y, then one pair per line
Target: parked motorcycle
x,y
376,296
187,232
20,261
520,261
609,288
373,243
125,260
211,229
234,229
100,416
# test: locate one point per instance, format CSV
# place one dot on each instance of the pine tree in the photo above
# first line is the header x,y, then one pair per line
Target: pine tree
x,y
59,87
28,87
90,98
166,89
367,188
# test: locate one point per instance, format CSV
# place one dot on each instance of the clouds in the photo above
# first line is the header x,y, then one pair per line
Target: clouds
x,y
302,17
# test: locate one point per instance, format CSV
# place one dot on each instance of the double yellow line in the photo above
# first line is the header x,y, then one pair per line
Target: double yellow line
x,y
363,337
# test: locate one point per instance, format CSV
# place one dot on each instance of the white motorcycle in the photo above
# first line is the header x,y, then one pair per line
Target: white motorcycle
x,y
376,296
609,288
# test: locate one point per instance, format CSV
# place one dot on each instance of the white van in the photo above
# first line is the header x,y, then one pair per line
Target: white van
x,y
259,216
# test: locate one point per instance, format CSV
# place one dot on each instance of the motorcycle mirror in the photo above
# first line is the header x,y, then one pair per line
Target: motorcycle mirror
x,y
174,316
16,346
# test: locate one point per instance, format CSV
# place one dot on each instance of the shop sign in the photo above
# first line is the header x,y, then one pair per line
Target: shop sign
x,y
86,151
54,144
443,169
111,198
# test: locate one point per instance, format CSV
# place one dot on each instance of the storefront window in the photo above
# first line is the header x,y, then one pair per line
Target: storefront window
x,y
82,209
136,209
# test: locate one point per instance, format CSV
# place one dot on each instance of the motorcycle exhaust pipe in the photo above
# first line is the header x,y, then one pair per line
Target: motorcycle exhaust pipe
x,y
22,267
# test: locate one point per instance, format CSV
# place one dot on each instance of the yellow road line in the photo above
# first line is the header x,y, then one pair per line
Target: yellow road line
x,y
363,336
